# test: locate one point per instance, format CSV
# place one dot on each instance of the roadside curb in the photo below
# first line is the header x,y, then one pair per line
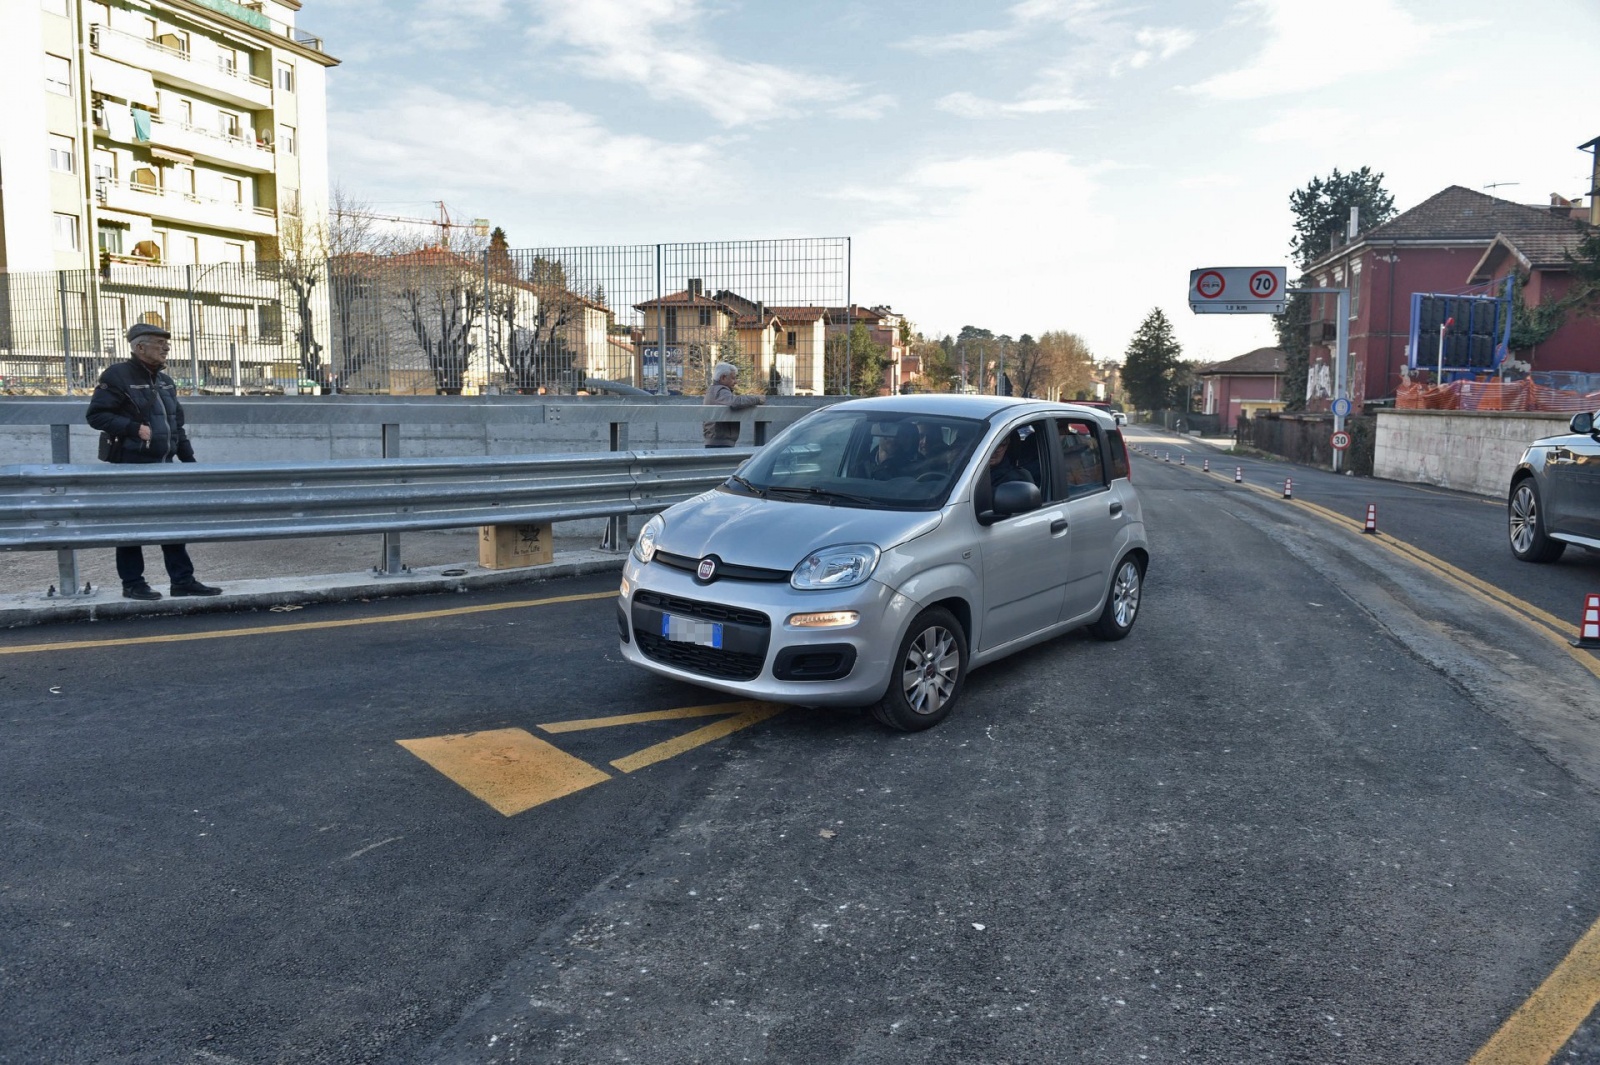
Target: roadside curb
x,y
107,603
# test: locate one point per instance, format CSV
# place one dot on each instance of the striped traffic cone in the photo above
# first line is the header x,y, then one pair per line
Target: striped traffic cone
x,y
1205,466
1288,488
1238,475
1589,627
1166,456
1183,460
1372,518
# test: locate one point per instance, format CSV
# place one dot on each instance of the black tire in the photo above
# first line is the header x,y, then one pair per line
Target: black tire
x,y
1122,602
1525,525
929,672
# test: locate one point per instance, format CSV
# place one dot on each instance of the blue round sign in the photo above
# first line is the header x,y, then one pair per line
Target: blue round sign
x,y
1341,407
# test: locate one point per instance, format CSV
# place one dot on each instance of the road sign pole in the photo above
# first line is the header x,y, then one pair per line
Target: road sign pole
x,y
1341,366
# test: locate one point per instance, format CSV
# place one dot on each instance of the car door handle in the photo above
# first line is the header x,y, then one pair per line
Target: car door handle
x,y
1058,526
1116,508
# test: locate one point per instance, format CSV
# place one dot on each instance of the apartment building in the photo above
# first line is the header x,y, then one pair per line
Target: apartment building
x,y
157,132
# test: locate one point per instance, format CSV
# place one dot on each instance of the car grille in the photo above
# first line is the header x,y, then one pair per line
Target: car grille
x,y
726,571
745,636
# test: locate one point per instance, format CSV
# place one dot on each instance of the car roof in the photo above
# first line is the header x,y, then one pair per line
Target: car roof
x,y
963,406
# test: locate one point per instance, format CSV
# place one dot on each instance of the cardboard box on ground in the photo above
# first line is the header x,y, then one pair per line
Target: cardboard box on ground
x,y
511,546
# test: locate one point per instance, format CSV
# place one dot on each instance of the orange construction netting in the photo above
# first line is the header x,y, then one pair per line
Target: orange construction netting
x,y
1494,395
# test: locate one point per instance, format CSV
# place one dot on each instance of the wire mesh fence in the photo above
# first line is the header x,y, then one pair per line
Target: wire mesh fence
x,y
440,320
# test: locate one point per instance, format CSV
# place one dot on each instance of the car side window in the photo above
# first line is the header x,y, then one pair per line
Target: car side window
x,y
1119,454
1082,463
1021,455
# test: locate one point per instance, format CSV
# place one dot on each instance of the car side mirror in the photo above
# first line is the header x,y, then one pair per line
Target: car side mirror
x,y
1583,423
1014,497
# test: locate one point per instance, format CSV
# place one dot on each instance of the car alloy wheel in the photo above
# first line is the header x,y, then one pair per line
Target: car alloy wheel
x,y
1525,524
1122,604
928,673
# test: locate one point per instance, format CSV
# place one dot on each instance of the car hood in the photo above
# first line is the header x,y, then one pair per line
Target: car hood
x,y
778,533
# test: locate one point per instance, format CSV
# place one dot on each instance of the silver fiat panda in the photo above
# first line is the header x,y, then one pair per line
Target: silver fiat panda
x,y
878,549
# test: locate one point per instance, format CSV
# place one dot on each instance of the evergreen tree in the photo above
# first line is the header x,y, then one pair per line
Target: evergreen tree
x,y
1151,362
1321,212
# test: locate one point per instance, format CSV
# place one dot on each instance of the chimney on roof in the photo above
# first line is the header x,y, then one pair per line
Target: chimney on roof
x,y
695,288
761,310
1355,223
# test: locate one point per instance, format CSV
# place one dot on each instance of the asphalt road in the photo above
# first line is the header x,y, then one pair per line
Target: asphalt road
x,y
1318,808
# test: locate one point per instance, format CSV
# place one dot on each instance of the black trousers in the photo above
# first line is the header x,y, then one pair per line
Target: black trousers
x,y
130,563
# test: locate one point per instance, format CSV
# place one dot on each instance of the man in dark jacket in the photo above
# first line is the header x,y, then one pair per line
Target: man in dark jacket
x,y
720,393
136,404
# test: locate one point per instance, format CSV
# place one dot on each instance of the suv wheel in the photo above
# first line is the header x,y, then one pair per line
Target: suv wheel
x,y
928,673
1525,525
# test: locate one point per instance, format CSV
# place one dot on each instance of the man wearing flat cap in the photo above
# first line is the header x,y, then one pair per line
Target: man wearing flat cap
x,y
136,406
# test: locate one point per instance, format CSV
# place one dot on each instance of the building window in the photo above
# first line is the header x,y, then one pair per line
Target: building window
x,y
705,316
228,124
66,229
233,252
232,190
151,29
58,75
1355,292
227,60
791,339
110,239
672,325
63,154
286,140
286,77
186,112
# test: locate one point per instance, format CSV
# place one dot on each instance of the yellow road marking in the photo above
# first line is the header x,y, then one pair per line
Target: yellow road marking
x,y
585,724
1535,1034
304,626
513,770
510,769
690,740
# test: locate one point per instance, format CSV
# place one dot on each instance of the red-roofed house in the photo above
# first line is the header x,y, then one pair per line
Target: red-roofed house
x,y
1243,385
1442,245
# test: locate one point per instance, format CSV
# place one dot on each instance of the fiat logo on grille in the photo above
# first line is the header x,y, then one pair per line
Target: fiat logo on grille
x,y
707,568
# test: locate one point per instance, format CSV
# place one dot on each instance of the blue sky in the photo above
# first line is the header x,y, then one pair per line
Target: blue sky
x,y
1046,164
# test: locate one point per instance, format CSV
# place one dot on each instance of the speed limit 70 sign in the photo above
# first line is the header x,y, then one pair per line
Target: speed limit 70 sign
x,y
1238,290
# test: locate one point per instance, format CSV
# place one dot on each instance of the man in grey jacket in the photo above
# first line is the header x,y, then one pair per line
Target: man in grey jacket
x,y
720,393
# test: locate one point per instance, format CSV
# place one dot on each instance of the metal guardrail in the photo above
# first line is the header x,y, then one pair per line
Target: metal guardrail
x,y
53,508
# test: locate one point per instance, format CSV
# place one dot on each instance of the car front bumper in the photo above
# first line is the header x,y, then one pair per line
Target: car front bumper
x,y
766,658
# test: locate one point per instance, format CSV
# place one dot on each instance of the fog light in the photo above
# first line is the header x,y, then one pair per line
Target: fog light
x,y
626,589
827,619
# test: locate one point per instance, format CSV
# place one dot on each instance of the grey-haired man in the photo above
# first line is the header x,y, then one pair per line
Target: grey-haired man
x,y
720,392
136,404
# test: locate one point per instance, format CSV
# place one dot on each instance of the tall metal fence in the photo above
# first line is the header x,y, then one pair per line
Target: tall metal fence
x,y
440,320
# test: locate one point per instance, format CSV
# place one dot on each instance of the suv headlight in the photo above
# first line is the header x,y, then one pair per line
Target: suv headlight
x,y
644,548
840,566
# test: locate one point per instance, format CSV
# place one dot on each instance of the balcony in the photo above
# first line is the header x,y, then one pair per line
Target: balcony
x,y
211,146
202,211
174,66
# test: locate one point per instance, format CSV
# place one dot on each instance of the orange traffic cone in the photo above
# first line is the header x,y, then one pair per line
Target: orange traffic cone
x,y
1589,627
1238,475
1372,518
1288,488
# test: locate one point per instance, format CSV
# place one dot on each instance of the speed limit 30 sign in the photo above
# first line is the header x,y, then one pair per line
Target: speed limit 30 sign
x,y
1238,290
1341,440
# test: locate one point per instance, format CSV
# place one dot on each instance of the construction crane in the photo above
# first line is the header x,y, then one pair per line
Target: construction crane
x,y
444,223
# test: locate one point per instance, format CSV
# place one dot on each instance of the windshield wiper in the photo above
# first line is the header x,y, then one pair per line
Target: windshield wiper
x,y
749,486
822,494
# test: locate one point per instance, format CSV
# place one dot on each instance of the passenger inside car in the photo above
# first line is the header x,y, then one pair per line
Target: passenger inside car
x,y
1080,454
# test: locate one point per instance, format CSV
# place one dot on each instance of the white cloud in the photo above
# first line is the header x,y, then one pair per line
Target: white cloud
x,y
1154,44
968,41
873,107
667,47
966,105
1308,47
530,147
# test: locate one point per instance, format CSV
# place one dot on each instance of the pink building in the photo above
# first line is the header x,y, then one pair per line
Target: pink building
x,y
1248,383
1442,245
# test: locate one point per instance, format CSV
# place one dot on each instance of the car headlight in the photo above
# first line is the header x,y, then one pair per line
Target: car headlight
x,y
644,548
840,566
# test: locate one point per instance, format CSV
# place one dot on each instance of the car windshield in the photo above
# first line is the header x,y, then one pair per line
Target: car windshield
x,y
864,458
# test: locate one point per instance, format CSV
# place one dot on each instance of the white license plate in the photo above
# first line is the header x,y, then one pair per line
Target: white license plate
x,y
690,630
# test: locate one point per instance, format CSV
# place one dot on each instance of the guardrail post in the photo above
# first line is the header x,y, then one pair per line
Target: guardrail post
x,y
66,557
760,436
616,537
391,565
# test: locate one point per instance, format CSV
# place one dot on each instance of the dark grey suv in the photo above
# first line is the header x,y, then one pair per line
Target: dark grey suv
x,y
1555,493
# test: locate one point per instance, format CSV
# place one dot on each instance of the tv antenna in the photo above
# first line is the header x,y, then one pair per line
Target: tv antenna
x,y
1497,184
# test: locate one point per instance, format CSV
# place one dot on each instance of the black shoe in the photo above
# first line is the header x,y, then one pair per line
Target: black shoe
x,y
139,591
194,587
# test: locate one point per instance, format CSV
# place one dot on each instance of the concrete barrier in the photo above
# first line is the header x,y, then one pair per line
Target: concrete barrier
x,y
1469,451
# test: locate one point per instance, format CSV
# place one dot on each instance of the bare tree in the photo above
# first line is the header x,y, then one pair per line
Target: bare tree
x,y
1069,364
